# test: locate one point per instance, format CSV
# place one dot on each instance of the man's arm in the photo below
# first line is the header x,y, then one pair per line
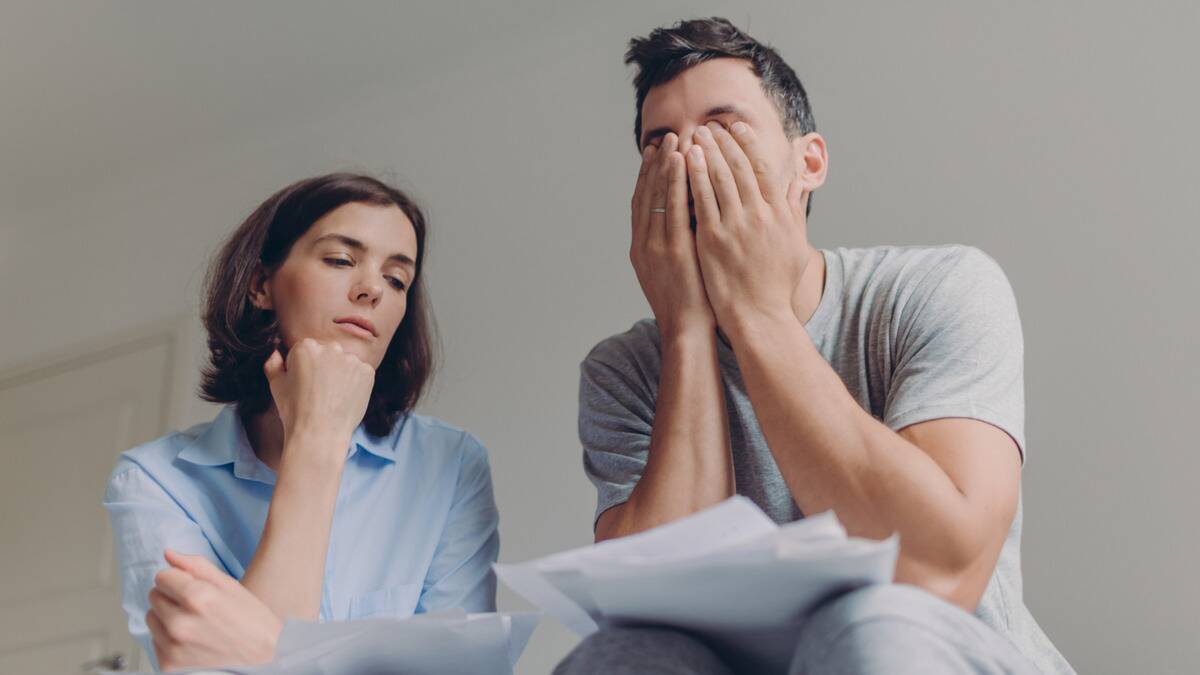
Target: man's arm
x,y
688,466
948,486
952,497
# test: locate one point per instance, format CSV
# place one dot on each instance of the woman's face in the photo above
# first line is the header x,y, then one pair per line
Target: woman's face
x,y
345,280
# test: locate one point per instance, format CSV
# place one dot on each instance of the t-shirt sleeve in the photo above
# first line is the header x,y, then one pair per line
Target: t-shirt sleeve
x,y
616,416
960,349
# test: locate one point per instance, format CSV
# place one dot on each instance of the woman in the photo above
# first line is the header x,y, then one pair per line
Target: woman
x,y
316,488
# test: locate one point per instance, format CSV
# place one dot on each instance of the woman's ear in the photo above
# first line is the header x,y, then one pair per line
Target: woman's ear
x,y
810,161
260,288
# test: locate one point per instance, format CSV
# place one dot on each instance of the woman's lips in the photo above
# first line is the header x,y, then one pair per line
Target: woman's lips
x,y
358,327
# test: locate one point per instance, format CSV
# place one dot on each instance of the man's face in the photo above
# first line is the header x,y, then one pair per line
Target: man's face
x,y
723,90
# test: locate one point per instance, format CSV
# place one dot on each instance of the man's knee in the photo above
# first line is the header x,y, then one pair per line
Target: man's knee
x,y
629,650
895,628
880,602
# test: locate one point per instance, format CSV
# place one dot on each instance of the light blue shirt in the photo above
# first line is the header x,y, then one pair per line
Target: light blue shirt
x,y
414,528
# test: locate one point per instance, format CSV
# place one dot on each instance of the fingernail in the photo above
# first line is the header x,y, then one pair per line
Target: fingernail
x,y
647,151
739,127
703,132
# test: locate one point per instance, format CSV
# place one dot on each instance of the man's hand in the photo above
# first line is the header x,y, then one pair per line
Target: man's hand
x,y
663,250
751,231
201,617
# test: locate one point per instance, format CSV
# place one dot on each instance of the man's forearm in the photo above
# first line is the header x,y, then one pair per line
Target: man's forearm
x,y
287,572
834,455
688,466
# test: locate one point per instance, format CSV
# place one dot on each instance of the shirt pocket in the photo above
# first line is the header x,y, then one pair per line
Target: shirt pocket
x,y
397,602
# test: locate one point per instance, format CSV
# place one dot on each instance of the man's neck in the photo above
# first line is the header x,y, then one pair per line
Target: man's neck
x,y
812,285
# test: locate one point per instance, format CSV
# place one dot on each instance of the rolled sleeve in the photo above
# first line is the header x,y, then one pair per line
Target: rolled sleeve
x,y
460,574
146,521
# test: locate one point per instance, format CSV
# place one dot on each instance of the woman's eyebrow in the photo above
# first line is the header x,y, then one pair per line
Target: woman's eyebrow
x,y
357,245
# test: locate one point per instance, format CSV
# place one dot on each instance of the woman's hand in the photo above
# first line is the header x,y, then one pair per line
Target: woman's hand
x,y
201,617
320,391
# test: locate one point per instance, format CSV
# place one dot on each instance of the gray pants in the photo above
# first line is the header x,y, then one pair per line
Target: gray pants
x,y
893,629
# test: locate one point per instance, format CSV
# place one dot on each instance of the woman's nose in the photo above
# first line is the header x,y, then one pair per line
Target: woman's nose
x,y
366,291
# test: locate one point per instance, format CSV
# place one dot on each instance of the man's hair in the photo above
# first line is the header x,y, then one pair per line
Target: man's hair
x,y
661,56
241,336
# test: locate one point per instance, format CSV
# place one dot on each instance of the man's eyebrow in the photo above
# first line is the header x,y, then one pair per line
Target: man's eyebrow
x,y
715,111
359,246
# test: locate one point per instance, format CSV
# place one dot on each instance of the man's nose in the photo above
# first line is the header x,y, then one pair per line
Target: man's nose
x,y
685,140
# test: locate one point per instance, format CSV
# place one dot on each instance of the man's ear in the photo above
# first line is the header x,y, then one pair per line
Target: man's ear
x,y
260,289
810,161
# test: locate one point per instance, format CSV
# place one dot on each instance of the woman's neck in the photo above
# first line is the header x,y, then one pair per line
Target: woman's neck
x,y
265,432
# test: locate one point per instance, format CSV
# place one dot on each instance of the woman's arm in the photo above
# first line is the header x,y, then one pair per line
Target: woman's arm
x,y
321,394
200,617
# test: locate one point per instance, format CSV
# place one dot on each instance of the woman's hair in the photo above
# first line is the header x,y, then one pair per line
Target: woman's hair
x,y
242,336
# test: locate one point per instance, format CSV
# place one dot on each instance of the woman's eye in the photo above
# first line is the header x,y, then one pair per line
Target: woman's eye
x,y
337,262
396,283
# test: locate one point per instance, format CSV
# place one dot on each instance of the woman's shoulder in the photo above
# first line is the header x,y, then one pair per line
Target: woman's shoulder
x,y
161,454
430,433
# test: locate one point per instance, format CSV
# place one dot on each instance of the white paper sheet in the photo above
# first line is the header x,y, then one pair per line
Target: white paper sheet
x,y
445,643
727,573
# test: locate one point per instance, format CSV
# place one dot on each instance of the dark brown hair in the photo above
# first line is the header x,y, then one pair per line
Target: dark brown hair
x,y
661,56
241,336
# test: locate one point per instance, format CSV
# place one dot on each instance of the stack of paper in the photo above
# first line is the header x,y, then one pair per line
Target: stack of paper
x,y
728,574
443,643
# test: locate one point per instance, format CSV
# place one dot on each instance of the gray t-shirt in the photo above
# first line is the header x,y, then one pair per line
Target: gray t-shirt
x,y
915,333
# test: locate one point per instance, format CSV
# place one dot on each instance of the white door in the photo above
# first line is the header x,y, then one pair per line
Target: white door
x,y
61,429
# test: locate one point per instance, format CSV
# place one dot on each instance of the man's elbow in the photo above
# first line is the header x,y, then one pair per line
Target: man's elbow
x,y
958,573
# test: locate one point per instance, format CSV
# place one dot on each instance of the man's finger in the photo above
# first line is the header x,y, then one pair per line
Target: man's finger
x,y
660,177
739,165
795,197
638,204
708,213
678,218
765,173
723,185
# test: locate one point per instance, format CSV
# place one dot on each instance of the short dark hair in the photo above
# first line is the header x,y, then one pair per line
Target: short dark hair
x,y
666,52
242,336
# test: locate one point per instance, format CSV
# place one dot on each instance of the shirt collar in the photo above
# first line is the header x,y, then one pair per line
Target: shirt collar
x,y
225,442
383,447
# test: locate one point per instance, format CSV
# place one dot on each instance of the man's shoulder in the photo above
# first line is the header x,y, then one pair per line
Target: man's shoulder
x,y
903,270
640,340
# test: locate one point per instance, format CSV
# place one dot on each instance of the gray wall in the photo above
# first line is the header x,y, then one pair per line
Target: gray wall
x,y
1059,137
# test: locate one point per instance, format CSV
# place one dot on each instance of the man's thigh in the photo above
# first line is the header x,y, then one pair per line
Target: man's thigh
x,y
899,629
634,650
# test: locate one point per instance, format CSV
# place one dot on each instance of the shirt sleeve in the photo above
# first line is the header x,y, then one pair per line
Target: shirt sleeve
x,y
461,572
616,418
960,350
146,520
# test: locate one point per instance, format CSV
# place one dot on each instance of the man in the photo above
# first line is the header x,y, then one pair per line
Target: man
x,y
883,383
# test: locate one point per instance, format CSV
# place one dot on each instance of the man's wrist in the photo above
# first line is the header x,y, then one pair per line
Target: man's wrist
x,y
749,327
689,335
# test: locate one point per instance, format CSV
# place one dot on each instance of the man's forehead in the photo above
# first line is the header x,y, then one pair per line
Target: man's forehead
x,y
714,83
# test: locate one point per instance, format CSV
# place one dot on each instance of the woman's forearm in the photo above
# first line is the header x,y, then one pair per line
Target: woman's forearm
x,y
287,571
